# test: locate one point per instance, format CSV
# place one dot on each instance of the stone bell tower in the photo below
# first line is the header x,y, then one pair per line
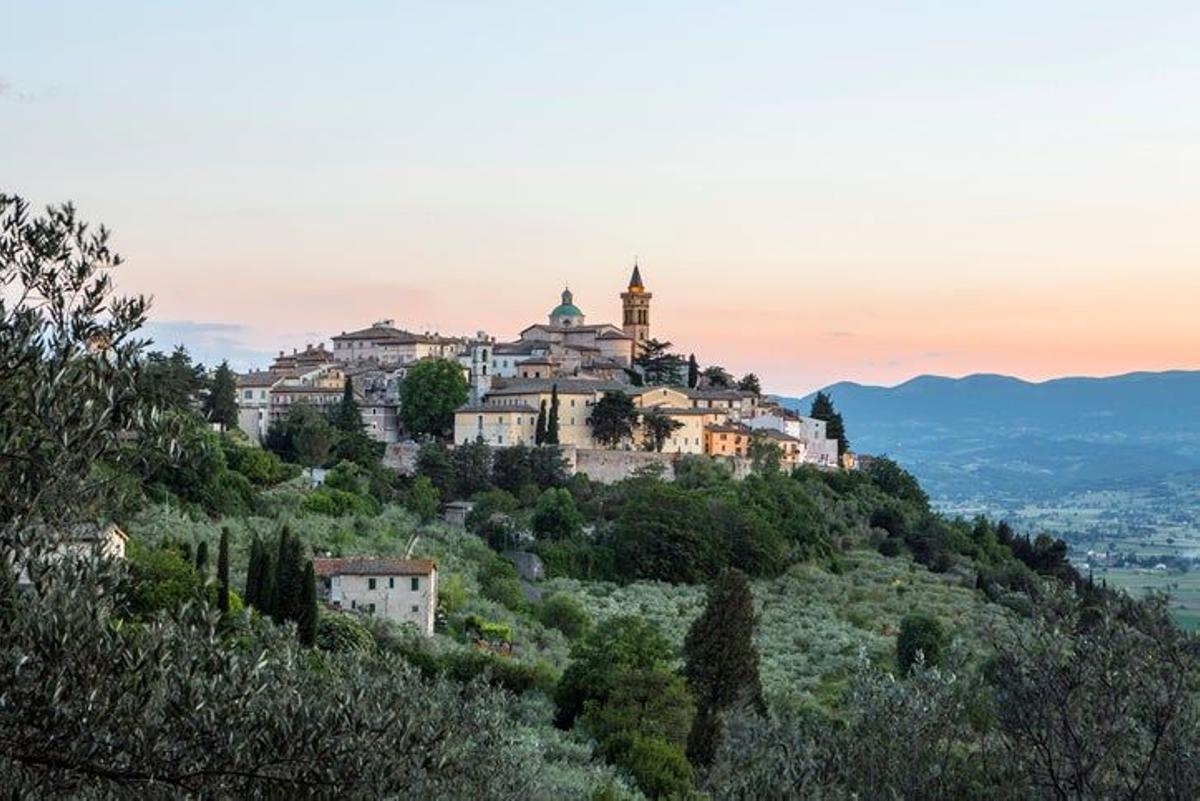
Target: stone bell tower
x,y
635,303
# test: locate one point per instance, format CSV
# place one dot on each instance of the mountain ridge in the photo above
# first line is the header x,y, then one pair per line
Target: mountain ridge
x,y
1004,435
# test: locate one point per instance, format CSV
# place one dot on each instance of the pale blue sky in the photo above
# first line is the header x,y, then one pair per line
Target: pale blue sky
x,y
816,190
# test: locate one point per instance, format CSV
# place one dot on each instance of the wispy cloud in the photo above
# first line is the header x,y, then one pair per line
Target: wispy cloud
x,y
10,91
209,342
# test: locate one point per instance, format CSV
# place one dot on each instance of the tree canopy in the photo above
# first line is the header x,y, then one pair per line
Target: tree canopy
x,y
431,391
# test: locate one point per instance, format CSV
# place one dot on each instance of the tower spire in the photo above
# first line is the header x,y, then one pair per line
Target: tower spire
x,y
635,280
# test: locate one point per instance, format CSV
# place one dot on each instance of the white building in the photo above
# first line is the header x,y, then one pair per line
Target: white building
x,y
818,448
383,343
401,590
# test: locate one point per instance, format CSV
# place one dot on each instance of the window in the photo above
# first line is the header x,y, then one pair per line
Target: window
x,y
248,394
370,609
370,584
416,584
354,604
391,582
416,610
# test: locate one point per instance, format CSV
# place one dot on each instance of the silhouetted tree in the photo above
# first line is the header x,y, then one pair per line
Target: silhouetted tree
x,y
306,621
658,428
220,406
693,371
551,437
717,377
223,571
612,418
822,409
539,434
202,558
750,383
722,662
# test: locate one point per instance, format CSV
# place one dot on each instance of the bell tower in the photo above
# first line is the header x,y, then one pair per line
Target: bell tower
x,y
635,303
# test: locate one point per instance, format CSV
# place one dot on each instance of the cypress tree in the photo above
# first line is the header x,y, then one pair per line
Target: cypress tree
x,y
223,571
307,620
220,406
835,428
347,418
539,434
202,558
551,437
289,578
722,662
693,374
254,574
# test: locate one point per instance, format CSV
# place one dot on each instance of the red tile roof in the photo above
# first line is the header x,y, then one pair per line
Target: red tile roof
x,y
366,565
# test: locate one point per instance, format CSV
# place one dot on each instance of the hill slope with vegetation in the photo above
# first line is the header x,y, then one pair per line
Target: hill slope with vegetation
x,y
792,634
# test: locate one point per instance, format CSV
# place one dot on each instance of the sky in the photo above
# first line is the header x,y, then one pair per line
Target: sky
x,y
814,191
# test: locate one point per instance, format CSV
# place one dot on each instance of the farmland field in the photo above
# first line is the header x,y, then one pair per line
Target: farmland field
x,y
1184,589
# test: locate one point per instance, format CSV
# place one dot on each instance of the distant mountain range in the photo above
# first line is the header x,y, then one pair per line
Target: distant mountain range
x,y
1001,438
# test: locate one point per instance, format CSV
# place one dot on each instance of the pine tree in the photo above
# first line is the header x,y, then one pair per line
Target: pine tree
x,y
750,383
693,371
539,434
722,662
223,571
552,424
306,620
822,409
221,404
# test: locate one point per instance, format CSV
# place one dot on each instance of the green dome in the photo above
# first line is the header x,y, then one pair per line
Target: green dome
x,y
567,308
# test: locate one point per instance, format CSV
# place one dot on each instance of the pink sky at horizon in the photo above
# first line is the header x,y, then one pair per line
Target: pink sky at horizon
x,y
816,192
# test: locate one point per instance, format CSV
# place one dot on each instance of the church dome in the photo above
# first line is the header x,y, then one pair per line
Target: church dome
x,y
567,308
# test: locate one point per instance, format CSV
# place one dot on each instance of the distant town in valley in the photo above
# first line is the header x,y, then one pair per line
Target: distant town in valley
x,y
564,366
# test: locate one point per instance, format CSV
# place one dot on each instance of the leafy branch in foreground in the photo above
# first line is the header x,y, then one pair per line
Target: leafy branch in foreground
x,y
68,355
96,703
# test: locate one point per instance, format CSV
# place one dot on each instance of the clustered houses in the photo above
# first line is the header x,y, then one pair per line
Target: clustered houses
x,y
511,382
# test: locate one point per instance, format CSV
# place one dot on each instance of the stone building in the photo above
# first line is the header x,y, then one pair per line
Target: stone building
x,y
401,590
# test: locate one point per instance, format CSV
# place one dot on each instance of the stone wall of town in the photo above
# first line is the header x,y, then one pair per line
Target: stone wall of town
x,y
402,457
608,466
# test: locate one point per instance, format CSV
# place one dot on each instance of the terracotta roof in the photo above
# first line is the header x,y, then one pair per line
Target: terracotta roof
x,y
566,386
718,394
260,378
392,335
494,408
727,429
366,565
674,411
772,433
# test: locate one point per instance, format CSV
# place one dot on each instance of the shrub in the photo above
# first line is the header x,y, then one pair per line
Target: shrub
x,y
660,768
160,578
498,582
565,613
422,499
556,516
342,633
339,503
919,633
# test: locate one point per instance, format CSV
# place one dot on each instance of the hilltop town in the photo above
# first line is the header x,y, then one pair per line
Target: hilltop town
x,y
560,369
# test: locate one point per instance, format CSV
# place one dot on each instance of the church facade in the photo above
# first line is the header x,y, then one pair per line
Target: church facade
x,y
567,344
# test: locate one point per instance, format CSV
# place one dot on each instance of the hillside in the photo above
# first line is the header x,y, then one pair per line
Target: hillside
x,y
997,443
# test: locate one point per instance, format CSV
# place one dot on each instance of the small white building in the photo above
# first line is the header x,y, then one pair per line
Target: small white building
x,y
82,541
401,590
